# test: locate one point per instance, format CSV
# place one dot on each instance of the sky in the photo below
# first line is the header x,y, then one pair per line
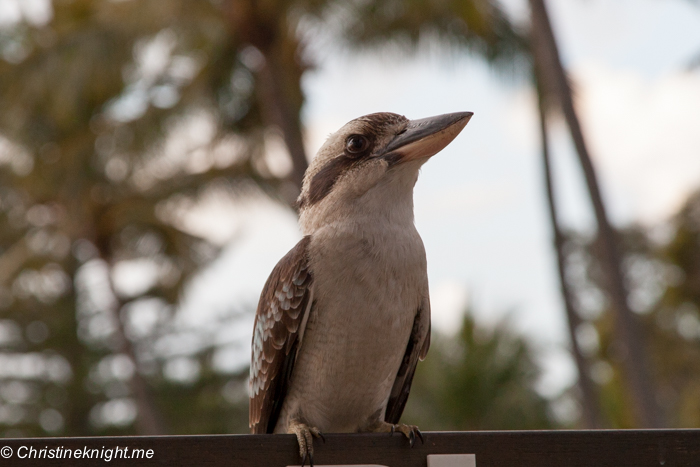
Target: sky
x,y
479,204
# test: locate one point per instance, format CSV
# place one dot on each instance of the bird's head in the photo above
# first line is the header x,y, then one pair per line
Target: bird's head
x,y
370,166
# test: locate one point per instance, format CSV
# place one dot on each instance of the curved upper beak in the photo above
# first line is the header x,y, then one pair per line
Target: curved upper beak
x,y
426,137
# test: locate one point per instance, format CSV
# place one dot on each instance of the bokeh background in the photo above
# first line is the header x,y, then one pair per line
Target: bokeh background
x,y
151,152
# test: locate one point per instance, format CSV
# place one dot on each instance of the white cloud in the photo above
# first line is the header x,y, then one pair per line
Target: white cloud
x,y
448,302
266,232
643,135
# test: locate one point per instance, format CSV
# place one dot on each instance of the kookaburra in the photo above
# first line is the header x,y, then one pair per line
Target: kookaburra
x,y
345,315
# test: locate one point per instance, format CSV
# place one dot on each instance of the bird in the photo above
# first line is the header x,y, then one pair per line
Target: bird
x,y
344,317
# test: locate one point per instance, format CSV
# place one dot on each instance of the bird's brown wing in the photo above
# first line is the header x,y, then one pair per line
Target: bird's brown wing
x,y
416,349
279,322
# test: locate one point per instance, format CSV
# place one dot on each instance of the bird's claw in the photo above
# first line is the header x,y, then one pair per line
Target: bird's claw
x,y
311,459
420,435
410,432
305,437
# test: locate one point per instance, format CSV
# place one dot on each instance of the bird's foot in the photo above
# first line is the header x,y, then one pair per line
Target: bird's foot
x,y
411,432
305,437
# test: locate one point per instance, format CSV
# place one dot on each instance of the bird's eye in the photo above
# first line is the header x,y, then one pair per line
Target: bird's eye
x,y
356,144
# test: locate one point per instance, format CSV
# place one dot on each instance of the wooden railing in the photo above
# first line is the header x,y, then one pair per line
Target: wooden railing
x,y
597,448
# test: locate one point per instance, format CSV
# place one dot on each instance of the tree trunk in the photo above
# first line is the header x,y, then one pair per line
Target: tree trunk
x,y
148,419
632,352
279,78
279,109
13,259
591,404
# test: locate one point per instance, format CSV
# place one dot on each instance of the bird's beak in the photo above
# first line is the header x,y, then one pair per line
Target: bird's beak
x,y
426,137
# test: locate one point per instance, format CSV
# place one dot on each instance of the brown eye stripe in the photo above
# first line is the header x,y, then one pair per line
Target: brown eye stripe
x,y
322,183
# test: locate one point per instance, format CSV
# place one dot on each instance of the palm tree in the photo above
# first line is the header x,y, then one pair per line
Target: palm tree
x,y
269,29
87,106
636,362
480,27
478,379
592,417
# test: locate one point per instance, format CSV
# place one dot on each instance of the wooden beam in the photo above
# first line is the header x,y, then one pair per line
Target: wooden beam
x,y
599,448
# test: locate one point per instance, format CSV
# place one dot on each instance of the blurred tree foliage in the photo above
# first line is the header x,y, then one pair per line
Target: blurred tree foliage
x,y
663,277
114,116
677,316
478,27
117,116
479,379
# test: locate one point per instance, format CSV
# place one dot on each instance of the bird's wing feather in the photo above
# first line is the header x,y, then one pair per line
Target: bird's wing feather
x,y
279,320
416,349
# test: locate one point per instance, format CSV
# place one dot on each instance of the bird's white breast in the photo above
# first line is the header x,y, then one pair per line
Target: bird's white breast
x,y
369,281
